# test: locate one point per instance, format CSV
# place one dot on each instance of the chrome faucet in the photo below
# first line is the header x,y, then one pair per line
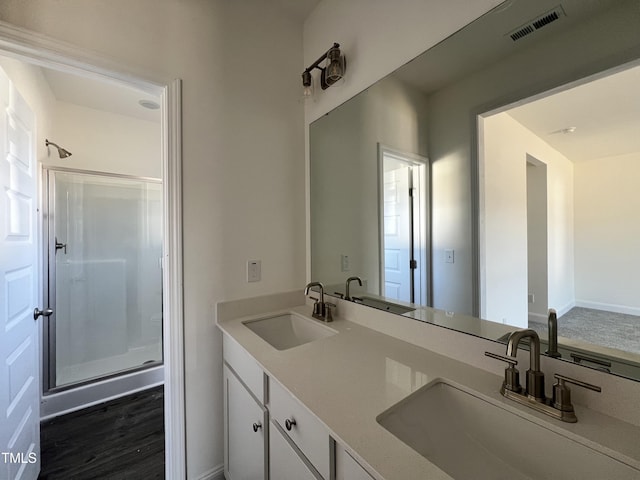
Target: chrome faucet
x,y
346,289
552,323
321,309
533,396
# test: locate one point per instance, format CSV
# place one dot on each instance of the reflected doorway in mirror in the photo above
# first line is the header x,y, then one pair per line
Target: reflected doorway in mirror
x,y
404,244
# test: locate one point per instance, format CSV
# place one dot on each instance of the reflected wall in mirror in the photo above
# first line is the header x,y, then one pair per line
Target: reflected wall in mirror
x,y
430,108
560,211
345,178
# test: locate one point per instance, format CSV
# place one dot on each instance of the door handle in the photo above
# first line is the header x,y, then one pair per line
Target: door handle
x,y
41,313
60,245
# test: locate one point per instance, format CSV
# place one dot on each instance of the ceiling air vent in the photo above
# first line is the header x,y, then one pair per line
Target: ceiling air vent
x,y
537,23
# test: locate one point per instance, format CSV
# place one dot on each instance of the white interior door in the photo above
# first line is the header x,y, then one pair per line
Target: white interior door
x,y
19,357
397,230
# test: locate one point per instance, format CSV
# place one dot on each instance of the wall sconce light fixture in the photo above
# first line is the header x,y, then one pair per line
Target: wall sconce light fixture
x,y
332,70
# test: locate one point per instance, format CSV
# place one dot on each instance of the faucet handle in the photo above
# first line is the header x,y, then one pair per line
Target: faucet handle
x,y
562,393
511,374
328,313
561,379
318,308
512,361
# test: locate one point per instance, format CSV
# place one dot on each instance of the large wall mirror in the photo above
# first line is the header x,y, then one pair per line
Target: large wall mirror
x,y
495,176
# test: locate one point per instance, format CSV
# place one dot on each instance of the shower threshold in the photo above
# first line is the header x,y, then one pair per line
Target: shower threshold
x,y
77,396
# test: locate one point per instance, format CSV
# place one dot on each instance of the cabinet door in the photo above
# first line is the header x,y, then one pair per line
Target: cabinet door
x,y
284,462
245,422
347,468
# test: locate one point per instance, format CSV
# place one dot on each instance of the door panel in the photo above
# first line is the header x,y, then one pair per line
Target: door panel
x,y
397,231
19,367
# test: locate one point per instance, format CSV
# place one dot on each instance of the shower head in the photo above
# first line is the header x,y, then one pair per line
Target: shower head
x,y
61,151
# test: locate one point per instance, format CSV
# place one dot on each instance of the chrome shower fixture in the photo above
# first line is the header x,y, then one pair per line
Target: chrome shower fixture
x,y
61,151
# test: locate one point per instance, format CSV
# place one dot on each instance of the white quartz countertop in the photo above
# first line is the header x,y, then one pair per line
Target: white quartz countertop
x,y
348,379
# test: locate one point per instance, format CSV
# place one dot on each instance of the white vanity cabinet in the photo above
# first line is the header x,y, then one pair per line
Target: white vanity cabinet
x,y
347,468
246,420
270,434
303,429
284,461
245,426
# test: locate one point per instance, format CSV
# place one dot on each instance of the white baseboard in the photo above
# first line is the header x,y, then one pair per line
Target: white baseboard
x,y
542,318
564,309
216,473
537,317
608,307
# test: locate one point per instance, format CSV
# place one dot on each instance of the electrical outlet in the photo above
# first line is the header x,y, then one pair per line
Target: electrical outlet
x,y
254,270
532,298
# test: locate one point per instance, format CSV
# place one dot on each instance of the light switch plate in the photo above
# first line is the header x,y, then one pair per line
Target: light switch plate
x,y
345,266
448,256
254,270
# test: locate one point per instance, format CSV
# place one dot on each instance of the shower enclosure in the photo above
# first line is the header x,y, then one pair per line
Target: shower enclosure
x,y
104,276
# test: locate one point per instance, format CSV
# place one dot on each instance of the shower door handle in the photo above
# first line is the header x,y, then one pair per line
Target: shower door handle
x,y
42,313
60,245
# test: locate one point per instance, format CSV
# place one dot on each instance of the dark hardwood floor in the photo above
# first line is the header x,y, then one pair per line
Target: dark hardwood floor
x,y
120,439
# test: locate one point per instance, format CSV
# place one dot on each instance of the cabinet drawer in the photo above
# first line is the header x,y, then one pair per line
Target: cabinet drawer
x,y
306,431
245,367
284,462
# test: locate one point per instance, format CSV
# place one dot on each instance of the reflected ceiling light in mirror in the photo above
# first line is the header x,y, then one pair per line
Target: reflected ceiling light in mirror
x,y
330,72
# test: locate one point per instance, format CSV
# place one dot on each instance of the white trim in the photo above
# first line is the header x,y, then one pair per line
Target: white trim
x,y
565,308
307,201
44,51
479,287
174,399
537,317
608,307
216,473
423,234
35,48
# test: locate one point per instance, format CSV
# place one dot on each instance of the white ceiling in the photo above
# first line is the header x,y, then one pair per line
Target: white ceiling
x,y
100,95
605,112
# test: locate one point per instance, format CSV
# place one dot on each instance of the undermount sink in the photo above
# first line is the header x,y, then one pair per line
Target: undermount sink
x,y
288,330
471,438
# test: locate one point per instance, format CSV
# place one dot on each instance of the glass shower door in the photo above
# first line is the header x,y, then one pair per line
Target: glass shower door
x,y
105,276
